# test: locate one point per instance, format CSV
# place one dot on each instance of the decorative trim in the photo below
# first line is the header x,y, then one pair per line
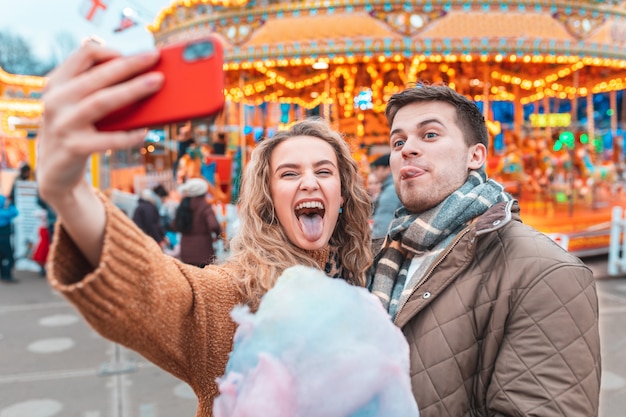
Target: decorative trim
x,y
407,21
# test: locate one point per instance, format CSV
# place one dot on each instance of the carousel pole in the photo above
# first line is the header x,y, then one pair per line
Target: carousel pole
x,y
326,102
242,125
486,104
575,100
591,133
536,112
547,110
613,105
590,122
518,115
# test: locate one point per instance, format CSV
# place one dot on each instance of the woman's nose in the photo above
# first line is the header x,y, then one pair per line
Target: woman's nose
x,y
309,182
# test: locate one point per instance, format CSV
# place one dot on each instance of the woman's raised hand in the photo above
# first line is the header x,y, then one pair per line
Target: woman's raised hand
x,y
93,82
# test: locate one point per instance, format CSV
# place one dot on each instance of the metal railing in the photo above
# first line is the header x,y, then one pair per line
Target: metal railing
x,y
617,247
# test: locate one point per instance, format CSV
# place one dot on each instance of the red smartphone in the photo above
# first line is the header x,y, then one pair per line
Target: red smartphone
x,y
193,87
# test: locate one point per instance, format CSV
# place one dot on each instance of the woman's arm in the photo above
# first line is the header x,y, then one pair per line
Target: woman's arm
x,y
89,85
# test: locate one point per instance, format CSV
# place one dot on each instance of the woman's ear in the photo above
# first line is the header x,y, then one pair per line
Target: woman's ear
x,y
477,156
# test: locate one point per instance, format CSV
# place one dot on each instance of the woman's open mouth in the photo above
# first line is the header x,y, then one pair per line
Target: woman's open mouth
x,y
310,215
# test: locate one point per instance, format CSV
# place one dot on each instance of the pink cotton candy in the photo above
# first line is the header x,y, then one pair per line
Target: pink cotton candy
x,y
316,347
268,391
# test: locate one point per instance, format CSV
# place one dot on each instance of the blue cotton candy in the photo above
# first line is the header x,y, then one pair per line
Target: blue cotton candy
x,y
316,347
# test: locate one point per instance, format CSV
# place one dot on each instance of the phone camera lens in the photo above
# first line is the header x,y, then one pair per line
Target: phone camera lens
x,y
198,50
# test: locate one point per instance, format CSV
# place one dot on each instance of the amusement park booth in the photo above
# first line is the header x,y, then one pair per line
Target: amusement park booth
x,y
540,71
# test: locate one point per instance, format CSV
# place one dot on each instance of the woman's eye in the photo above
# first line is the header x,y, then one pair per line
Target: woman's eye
x,y
288,174
324,172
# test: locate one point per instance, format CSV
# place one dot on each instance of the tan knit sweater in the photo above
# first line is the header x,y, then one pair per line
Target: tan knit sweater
x,y
173,314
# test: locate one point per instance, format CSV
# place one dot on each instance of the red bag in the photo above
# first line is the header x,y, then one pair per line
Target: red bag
x,y
43,246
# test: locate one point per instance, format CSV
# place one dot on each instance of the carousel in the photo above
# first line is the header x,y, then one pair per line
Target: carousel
x,y
546,63
20,111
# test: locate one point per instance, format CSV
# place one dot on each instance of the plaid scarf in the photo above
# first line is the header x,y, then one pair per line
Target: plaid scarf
x,y
427,234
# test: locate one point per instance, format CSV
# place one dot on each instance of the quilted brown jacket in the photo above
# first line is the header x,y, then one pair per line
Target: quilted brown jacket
x,y
505,323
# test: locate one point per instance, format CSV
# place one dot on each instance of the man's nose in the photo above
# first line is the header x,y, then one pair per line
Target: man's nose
x,y
412,146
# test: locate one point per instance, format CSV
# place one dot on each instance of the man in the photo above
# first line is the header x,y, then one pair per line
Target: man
x,y
388,201
500,320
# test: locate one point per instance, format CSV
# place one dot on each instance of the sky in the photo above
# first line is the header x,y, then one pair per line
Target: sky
x,y
39,21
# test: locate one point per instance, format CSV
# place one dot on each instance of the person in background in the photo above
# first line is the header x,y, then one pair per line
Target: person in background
x,y
24,174
374,187
219,146
50,214
8,212
197,224
147,216
500,319
174,314
190,164
185,140
162,205
42,246
387,202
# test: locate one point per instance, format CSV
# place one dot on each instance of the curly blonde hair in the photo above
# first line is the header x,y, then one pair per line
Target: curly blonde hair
x,y
262,250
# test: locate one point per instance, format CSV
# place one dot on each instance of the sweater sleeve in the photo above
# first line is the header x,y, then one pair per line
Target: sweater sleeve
x,y
175,315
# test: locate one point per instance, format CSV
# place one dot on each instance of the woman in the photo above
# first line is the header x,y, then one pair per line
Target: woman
x,y
197,223
302,202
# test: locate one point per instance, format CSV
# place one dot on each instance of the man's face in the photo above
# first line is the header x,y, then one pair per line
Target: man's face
x,y
429,157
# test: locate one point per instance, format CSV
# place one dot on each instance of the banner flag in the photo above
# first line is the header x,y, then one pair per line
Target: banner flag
x,y
93,10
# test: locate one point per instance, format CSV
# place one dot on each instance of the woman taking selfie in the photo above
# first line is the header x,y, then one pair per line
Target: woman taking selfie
x,y
302,202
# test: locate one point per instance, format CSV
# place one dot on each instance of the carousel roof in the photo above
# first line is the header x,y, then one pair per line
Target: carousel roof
x,y
510,50
332,51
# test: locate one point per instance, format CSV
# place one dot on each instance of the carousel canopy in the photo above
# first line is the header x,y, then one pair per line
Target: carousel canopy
x,y
20,103
315,52
20,112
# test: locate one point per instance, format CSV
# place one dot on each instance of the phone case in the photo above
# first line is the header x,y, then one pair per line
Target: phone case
x,y
193,87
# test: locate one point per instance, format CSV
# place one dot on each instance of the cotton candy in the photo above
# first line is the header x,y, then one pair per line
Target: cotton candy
x,y
316,347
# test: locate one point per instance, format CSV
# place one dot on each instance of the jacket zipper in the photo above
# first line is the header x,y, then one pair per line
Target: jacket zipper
x,y
433,266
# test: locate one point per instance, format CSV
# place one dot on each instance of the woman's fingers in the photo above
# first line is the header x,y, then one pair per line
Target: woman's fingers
x,y
87,56
111,85
102,102
93,82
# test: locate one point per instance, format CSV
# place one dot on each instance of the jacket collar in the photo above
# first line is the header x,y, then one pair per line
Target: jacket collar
x,y
497,216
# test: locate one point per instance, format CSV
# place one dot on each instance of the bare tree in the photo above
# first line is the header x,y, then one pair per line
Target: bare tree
x,y
16,56
65,44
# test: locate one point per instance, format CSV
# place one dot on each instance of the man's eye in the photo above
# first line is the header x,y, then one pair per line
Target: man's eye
x,y
430,135
398,142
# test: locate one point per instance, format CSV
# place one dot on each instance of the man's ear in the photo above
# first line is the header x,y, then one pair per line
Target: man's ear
x,y
477,156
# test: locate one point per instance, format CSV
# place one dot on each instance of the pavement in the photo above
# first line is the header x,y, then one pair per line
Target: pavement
x,y
53,365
